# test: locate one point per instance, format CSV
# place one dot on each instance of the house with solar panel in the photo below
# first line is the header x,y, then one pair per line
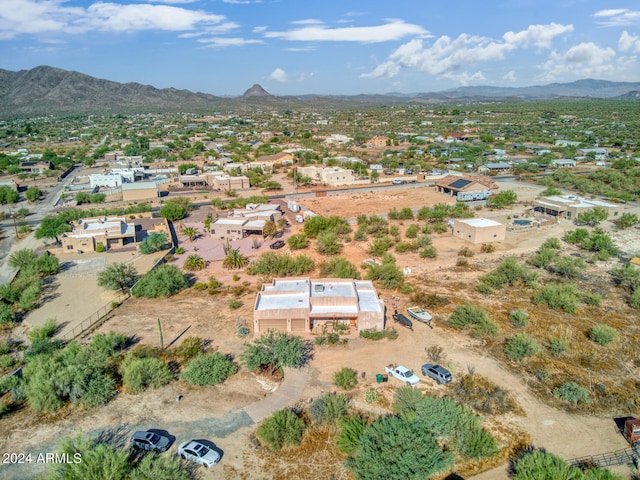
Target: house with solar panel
x,y
464,189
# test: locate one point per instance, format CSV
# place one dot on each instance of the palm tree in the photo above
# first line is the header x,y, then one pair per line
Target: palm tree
x,y
234,260
190,232
195,262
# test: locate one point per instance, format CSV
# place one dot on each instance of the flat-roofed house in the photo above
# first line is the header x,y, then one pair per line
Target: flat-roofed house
x,y
110,232
570,206
479,230
463,188
300,305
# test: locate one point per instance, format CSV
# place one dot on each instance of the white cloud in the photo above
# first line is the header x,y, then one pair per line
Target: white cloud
x,y
629,41
259,29
539,35
510,76
308,21
279,75
393,30
585,60
222,42
54,16
449,58
616,17
173,2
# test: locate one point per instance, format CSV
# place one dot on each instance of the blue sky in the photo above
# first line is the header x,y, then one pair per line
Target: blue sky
x,y
330,47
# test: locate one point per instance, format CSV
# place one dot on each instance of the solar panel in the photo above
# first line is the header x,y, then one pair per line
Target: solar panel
x,y
460,183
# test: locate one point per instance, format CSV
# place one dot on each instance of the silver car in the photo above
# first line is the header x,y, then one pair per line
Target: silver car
x,y
199,453
438,373
149,441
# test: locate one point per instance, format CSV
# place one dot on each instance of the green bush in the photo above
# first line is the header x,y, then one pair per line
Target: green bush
x,y
570,267
520,346
576,236
283,428
234,304
339,267
557,345
100,248
298,241
634,300
379,246
406,399
371,334
422,456
429,252
154,242
371,396
194,263
7,316
140,374
603,334
328,243
163,281
350,431
539,464
552,243
518,318
190,348
412,231
99,460
345,378
592,298
389,274
571,392
276,349
558,296
280,264
476,317
209,369
329,407
508,273
314,225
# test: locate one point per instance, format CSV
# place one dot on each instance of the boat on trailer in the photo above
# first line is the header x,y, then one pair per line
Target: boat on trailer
x,y
402,320
420,314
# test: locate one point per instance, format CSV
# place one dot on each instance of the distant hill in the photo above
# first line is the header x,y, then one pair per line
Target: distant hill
x,y
47,90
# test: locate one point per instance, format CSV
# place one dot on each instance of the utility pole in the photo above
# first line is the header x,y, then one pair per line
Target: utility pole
x,y
15,227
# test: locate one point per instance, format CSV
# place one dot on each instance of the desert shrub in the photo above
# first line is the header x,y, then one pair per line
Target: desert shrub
x,y
558,296
209,369
429,252
314,225
280,264
329,407
139,374
509,272
283,428
371,334
328,243
402,247
487,248
603,334
371,396
379,246
520,346
6,314
394,231
29,297
360,236
6,361
592,298
44,332
591,217
428,300
154,242
502,199
551,243
406,399
484,396
518,318
576,236
634,300
475,317
234,304
571,392
154,466
462,262
412,231
422,456
190,348
627,276
345,378
465,252
99,389
478,443
439,227
570,267
557,345
276,349
339,267
540,464
100,248
298,241
350,430
163,281
389,274
436,353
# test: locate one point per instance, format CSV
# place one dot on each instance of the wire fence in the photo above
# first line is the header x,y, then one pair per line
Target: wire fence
x,y
93,319
610,459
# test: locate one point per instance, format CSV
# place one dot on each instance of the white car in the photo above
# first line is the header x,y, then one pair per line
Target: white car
x,y
199,453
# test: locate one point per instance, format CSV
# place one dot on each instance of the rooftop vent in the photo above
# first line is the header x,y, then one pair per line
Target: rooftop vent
x,y
318,288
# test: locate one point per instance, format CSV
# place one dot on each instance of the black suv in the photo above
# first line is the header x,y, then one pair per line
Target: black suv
x,y
149,441
438,373
276,245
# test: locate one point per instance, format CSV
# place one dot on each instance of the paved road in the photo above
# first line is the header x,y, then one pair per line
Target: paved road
x,y
289,392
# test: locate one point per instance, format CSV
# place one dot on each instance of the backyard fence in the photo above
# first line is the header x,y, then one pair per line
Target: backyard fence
x,y
94,319
619,457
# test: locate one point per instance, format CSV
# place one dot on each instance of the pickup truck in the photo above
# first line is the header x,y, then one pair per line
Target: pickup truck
x,y
402,373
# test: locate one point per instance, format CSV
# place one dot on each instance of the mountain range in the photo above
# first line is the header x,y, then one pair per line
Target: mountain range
x,y
47,90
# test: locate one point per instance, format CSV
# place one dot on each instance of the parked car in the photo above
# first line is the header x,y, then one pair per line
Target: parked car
x,y
149,441
277,244
402,373
438,373
397,181
199,453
